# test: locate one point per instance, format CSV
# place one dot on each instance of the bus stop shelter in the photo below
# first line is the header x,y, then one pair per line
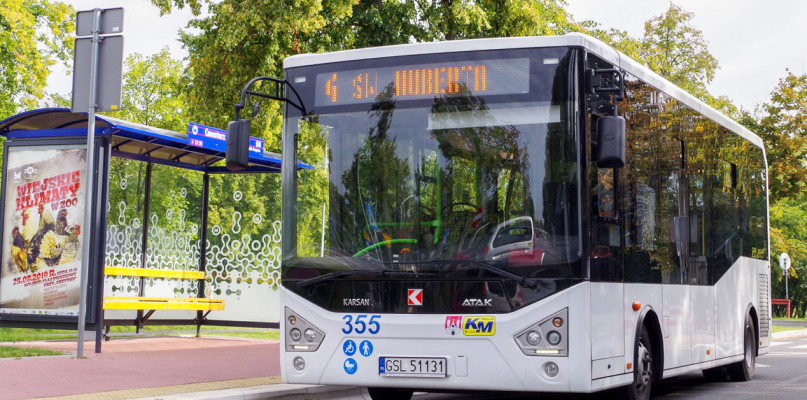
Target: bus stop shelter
x,y
145,266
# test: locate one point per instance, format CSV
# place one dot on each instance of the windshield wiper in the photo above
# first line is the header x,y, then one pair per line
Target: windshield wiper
x,y
530,283
338,274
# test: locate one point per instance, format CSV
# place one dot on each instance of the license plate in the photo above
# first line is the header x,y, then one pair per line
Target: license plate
x,y
423,367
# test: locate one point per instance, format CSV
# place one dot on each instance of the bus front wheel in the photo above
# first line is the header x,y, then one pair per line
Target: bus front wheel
x,y
644,369
742,371
389,393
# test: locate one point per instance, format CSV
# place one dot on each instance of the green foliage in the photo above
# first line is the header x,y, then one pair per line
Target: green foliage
x,y
674,49
152,91
677,51
789,235
34,35
782,124
241,40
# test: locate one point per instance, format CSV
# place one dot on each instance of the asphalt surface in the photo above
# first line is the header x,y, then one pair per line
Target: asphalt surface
x,y
198,368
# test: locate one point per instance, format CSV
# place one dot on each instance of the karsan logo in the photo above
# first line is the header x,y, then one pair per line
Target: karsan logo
x,y
356,302
479,326
477,302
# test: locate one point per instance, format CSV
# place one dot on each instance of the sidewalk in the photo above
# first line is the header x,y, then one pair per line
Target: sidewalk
x,y
167,368
141,367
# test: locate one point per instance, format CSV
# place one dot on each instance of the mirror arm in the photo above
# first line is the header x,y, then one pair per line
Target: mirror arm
x,y
279,93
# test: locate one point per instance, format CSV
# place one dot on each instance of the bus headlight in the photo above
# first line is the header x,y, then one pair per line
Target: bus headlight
x,y
298,328
555,328
553,338
295,334
310,335
533,338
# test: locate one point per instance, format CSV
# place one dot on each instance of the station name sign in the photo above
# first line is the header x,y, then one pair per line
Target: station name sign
x,y
216,139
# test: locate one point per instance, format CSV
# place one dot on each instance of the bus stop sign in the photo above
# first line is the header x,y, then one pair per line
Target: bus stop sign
x,y
107,50
784,262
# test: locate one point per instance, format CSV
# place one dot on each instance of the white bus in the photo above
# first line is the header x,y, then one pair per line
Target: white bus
x,y
536,214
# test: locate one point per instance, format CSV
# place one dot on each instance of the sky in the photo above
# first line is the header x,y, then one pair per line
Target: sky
x,y
755,42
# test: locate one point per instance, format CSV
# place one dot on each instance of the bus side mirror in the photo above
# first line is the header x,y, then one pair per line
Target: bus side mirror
x,y
237,157
611,142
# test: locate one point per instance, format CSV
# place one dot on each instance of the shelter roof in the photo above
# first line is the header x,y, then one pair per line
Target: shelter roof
x,y
133,141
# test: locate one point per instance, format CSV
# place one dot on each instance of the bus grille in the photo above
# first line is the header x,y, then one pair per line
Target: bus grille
x,y
764,304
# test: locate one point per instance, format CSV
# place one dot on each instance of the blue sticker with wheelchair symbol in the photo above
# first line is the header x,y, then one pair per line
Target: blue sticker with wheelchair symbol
x,y
349,348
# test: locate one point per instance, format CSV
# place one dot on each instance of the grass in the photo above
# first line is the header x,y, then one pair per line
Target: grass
x,y
23,334
788,319
777,328
18,352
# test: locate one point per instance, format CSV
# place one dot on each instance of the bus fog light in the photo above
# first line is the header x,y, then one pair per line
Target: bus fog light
x,y
553,338
533,338
295,334
299,363
557,321
310,335
551,369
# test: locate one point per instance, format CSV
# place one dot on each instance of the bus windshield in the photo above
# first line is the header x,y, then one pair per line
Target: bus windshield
x,y
459,180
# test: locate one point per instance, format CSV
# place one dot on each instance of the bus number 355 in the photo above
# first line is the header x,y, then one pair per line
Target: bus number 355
x,y
359,325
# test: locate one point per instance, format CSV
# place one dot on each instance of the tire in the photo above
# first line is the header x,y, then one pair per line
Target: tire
x,y
389,393
644,371
716,374
742,371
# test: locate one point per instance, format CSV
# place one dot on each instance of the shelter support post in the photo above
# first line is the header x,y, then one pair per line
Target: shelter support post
x,y
203,249
144,243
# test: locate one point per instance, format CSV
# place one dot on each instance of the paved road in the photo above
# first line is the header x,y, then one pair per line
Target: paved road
x,y
790,322
780,375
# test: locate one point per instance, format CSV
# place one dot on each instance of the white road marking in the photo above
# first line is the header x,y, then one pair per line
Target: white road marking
x,y
801,353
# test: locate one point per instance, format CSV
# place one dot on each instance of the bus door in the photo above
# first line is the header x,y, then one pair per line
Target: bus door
x,y
607,324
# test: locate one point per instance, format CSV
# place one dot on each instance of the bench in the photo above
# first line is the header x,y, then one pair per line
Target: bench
x,y
152,304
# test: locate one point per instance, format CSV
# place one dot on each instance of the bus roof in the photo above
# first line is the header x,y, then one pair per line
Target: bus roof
x,y
591,44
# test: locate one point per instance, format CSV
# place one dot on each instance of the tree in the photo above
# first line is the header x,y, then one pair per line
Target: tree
x,y
782,124
152,92
677,51
33,37
789,235
674,49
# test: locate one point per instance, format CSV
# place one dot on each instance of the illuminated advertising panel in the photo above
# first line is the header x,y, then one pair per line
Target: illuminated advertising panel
x,y
423,81
41,245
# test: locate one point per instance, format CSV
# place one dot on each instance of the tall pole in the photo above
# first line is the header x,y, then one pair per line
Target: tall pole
x,y
88,188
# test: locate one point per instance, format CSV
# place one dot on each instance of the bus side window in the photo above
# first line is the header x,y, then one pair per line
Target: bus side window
x,y
606,265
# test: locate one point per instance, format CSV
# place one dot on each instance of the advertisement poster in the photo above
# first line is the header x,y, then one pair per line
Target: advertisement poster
x,y
41,244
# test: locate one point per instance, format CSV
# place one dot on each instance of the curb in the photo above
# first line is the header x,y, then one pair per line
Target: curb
x,y
791,334
283,391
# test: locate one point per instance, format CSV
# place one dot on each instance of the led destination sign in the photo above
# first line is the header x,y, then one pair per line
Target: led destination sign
x,y
423,81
